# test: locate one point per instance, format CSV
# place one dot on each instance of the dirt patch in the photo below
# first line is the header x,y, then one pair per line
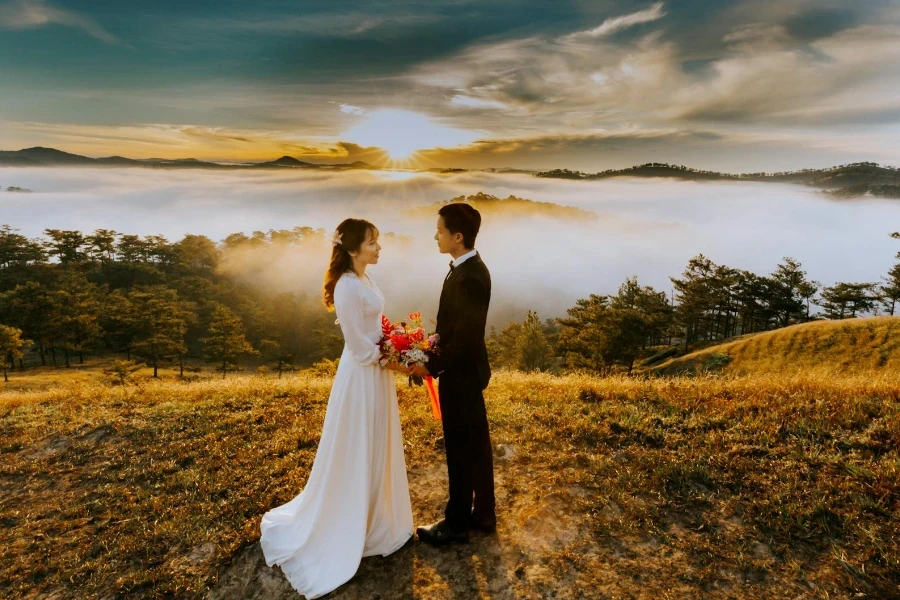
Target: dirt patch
x,y
531,530
545,547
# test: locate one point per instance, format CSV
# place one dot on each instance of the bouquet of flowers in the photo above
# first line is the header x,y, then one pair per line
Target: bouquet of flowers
x,y
406,342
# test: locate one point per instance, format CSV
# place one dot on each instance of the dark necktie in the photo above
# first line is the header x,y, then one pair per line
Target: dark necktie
x,y
450,272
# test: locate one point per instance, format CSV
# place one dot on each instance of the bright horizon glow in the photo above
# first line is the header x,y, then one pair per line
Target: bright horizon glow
x,y
398,175
403,133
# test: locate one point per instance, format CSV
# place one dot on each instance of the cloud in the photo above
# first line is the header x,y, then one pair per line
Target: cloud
x,y
757,36
568,82
214,134
648,228
470,102
728,150
761,76
615,24
353,110
342,24
762,79
34,14
182,141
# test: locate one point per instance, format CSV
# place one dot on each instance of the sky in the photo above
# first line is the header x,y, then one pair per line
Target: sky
x,y
733,85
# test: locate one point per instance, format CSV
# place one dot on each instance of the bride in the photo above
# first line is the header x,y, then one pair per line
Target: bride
x,y
356,500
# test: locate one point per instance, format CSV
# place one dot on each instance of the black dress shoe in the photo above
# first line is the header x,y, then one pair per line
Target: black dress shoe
x,y
440,534
484,524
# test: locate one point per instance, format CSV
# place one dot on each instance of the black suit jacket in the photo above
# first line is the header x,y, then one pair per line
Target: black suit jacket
x,y
461,319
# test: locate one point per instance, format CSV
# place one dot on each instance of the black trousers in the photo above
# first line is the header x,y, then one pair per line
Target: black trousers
x,y
467,441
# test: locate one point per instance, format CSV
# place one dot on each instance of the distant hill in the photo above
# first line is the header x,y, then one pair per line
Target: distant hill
x,y
829,347
865,189
285,161
845,181
509,170
119,160
448,170
646,170
50,157
513,206
42,156
854,175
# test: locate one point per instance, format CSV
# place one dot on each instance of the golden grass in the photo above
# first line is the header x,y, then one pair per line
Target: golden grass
x,y
868,345
39,378
111,491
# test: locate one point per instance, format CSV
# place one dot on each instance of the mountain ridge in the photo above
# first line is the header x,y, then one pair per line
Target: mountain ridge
x,y
846,181
40,156
842,181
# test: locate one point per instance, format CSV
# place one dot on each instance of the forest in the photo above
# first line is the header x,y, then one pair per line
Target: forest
x,y
68,294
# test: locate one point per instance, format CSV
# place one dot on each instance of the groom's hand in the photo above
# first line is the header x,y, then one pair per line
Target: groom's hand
x,y
419,370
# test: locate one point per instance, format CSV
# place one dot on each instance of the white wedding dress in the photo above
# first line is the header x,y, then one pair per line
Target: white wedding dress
x,y
356,500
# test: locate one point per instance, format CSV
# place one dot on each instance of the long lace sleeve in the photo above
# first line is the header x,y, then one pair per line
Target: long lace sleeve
x,y
348,304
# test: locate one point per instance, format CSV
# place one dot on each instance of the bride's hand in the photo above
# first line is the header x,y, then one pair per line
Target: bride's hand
x,y
395,366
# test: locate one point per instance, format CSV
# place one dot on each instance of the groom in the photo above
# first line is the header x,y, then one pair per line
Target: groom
x,y
461,365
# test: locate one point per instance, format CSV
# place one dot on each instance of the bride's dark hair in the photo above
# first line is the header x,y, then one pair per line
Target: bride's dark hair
x,y
352,233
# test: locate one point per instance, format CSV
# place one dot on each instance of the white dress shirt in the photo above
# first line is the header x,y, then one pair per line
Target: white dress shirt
x,y
464,257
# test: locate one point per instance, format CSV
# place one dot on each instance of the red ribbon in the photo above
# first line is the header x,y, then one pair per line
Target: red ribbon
x,y
435,402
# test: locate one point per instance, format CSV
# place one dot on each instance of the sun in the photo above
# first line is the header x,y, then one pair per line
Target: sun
x,y
402,133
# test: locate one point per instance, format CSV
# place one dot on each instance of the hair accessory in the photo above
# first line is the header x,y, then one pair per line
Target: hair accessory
x,y
336,238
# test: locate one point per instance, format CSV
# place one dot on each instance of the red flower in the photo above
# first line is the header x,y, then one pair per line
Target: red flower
x,y
386,326
400,342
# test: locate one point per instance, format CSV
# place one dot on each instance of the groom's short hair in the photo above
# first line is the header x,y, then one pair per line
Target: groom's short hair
x,y
460,217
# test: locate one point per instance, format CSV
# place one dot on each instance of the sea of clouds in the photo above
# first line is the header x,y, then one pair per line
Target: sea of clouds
x,y
648,228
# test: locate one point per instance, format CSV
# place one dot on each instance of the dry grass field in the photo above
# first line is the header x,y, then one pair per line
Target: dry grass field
x,y
868,345
766,486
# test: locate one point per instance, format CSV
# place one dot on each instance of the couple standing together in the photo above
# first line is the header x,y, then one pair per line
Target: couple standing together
x,y
356,500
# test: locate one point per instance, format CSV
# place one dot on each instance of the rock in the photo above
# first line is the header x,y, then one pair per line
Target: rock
x,y
505,451
202,554
762,551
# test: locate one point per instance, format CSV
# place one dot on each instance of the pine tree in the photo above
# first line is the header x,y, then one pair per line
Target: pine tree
x,y
653,307
581,335
130,249
532,348
28,307
502,346
697,299
225,341
272,352
162,321
848,300
626,331
787,298
807,291
197,253
11,346
68,246
119,322
75,316
890,289
101,246
18,250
